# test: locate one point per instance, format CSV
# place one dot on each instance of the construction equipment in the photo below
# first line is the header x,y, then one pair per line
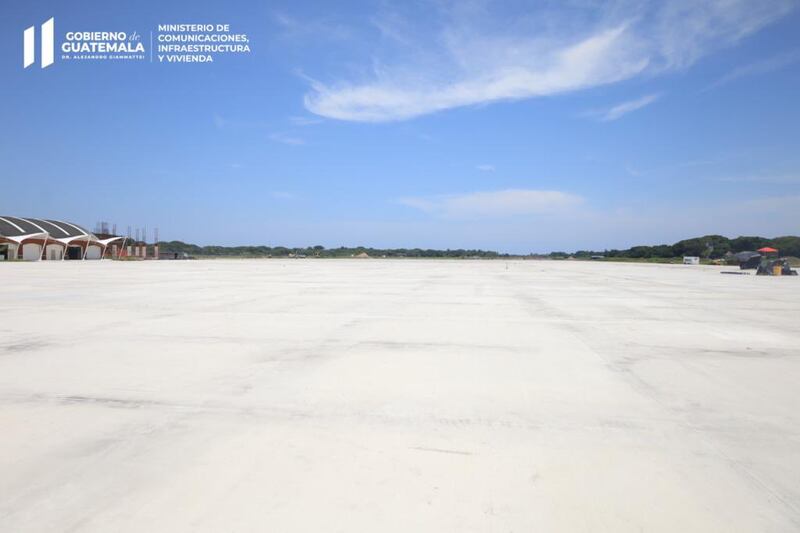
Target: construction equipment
x,y
775,267
748,260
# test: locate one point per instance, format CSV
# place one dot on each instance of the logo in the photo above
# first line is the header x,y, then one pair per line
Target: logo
x,y
47,48
168,43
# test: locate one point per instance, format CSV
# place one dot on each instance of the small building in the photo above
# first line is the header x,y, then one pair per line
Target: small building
x,y
173,256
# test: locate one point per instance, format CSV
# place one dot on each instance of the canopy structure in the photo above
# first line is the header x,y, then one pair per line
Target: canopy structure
x,y
744,256
767,250
45,233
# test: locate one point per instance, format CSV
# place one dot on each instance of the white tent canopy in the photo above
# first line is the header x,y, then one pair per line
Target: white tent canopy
x,y
20,231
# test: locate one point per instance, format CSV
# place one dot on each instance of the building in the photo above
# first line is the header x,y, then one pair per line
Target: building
x,y
34,239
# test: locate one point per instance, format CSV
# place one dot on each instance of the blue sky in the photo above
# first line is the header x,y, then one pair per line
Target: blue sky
x,y
516,126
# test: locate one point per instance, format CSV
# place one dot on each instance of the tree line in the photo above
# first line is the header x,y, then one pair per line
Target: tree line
x,y
708,247
318,251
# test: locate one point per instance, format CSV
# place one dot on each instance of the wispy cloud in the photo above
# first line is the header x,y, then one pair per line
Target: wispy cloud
x,y
396,96
779,179
470,55
234,124
305,121
617,111
756,68
392,26
301,29
633,171
219,121
486,168
282,195
502,203
287,139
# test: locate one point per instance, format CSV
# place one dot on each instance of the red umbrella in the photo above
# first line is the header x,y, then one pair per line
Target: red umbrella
x,y
767,250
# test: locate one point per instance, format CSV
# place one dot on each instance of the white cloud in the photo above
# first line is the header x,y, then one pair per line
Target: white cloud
x,y
471,56
502,203
755,68
581,65
624,108
486,168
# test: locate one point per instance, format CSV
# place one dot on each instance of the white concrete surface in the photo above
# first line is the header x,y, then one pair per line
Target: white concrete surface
x,y
374,395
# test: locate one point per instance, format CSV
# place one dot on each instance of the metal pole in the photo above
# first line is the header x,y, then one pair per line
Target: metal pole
x,y
122,248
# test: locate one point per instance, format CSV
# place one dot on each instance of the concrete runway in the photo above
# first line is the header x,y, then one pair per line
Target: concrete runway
x,y
377,395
